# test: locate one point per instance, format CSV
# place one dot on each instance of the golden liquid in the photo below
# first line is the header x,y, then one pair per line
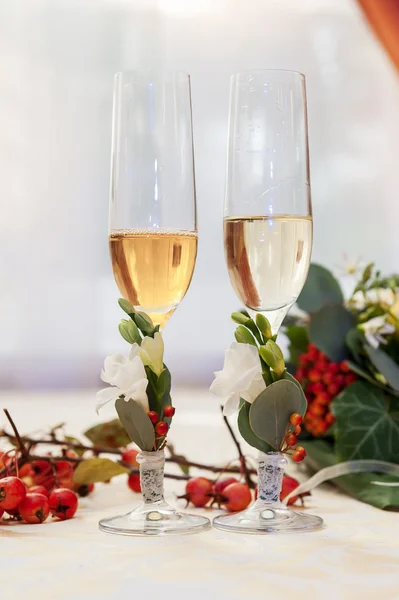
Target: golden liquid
x,y
153,269
268,259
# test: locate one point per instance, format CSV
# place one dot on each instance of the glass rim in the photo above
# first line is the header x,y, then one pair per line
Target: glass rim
x,y
258,72
165,75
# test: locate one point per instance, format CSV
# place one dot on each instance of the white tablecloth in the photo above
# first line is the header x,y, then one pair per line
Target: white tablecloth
x,y
356,556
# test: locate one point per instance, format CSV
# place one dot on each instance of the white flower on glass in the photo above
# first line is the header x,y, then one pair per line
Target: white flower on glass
x,y
127,377
375,329
241,377
151,353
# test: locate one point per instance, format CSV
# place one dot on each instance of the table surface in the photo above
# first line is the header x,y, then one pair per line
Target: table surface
x,y
355,556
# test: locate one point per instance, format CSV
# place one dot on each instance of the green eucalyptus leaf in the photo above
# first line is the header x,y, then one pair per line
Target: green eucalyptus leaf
x,y
273,356
110,434
129,331
354,340
95,470
299,341
367,424
328,329
243,336
164,383
270,412
137,424
126,306
385,365
321,288
304,402
246,431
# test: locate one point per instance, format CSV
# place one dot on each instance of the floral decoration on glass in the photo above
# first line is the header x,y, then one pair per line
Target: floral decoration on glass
x,y
271,406
140,386
345,354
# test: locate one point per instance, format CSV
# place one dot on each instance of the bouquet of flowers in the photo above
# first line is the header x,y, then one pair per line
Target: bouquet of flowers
x,y
345,354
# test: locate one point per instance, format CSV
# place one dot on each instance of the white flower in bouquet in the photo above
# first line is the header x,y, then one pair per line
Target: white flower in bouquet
x,y
385,296
241,377
127,376
151,353
375,329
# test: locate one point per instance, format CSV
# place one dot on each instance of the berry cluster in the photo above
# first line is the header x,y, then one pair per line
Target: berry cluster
x,y
322,380
34,504
290,441
161,427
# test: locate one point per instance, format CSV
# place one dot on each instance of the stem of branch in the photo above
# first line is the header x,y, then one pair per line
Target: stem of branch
x,y
16,432
243,462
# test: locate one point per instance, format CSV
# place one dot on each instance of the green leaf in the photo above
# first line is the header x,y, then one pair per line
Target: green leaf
x,y
94,470
246,431
299,341
129,331
328,329
110,435
273,356
385,365
321,454
270,412
354,340
367,272
164,383
304,402
73,440
364,426
243,336
239,318
321,288
144,323
126,306
137,424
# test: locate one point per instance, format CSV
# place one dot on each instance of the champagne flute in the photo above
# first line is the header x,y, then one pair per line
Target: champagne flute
x,y
268,237
153,240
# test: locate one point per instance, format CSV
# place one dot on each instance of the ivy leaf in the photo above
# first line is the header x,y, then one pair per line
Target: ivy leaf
x,y
304,402
111,435
299,341
246,431
385,365
364,426
321,288
328,329
137,424
270,412
94,470
321,454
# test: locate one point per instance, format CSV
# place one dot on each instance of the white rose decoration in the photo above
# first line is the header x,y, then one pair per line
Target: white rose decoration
x,y
151,353
241,377
127,376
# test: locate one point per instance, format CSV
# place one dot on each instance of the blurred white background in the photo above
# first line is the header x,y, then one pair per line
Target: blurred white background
x,y
58,310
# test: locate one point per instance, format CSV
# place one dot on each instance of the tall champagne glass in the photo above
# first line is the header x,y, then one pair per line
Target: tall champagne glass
x,y
268,237
153,240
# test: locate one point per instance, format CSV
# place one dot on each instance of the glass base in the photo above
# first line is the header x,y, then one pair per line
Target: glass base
x,y
263,518
157,518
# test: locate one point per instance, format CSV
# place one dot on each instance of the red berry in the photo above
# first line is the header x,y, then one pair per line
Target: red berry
x,y
344,367
129,456
222,483
350,378
83,490
133,482
1,512
301,374
334,388
236,496
295,419
314,375
63,468
161,428
323,398
328,377
333,368
39,489
198,491
153,416
297,430
12,492
63,503
289,484
291,440
317,409
299,454
340,380
169,411
313,352
34,508
330,419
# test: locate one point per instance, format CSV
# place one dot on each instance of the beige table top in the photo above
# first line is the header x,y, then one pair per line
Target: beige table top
x,y
356,556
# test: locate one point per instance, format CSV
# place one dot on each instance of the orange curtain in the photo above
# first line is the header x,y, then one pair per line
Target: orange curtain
x,y
383,16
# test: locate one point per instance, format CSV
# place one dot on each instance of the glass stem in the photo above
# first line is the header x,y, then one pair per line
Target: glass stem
x,y
270,472
151,475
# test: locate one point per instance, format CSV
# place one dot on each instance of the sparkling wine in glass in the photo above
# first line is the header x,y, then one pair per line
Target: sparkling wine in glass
x,y
268,239
153,240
